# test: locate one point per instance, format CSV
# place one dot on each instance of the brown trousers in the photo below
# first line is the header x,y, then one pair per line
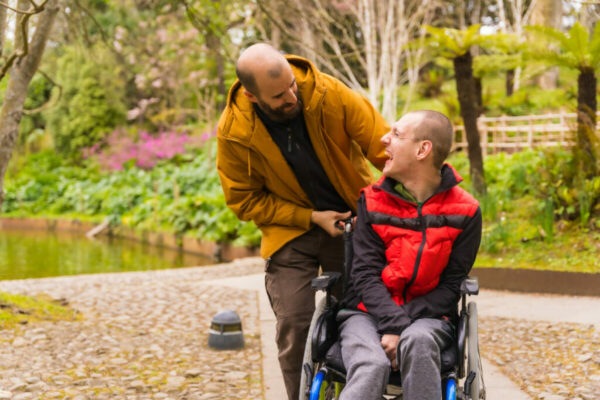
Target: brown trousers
x,y
288,275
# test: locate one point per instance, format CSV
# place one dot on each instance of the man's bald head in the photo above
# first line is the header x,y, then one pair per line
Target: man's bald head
x,y
258,60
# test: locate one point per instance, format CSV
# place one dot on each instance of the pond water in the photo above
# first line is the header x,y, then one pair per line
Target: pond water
x,y
37,254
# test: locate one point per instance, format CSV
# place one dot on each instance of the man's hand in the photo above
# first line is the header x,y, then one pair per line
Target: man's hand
x,y
389,342
327,220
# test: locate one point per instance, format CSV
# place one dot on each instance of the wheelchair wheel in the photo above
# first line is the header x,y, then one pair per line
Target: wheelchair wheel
x,y
308,373
323,388
476,389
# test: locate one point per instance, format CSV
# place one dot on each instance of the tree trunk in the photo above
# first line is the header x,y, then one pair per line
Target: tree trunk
x,y
587,141
213,42
2,28
16,92
478,95
510,82
465,87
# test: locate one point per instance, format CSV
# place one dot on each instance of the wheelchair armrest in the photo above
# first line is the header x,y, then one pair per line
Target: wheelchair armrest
x,y
326,280
470,286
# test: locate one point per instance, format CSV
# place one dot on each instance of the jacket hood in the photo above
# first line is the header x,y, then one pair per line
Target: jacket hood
x,y
240,121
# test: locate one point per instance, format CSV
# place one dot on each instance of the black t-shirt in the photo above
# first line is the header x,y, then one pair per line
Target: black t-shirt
x,y
294,143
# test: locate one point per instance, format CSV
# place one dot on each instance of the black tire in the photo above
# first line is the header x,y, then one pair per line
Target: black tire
x,y
305,379
477,390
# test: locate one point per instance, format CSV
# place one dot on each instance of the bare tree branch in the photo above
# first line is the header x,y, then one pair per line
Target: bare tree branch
x,y
366,42
9,62
31,11
351,80
21,36
94,21
52,102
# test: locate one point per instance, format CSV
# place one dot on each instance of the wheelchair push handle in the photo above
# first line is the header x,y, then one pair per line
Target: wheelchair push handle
x,y
345,225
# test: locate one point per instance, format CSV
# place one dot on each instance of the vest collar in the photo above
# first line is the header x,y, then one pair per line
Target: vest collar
x,y
450,178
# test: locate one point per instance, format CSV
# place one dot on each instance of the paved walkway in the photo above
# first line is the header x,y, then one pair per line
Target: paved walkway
x,y
532,307
143,336
490,303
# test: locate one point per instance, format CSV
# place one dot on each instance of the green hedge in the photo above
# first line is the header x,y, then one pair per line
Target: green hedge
x,y
182,195
536,205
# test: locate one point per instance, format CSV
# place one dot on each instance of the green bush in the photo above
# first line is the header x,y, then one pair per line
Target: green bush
x,y
92,103
182,196
528,194
38,94
537,188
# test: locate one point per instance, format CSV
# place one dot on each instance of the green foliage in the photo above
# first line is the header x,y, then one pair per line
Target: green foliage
x,y
559,181
576,49
92,104
503,52
432,80
451,43
183,197
38,94
530,195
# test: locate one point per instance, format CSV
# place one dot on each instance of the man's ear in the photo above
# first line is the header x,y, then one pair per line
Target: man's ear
x,y
425,148
250,96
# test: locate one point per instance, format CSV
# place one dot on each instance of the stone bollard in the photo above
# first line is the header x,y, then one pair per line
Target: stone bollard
x,y
226,331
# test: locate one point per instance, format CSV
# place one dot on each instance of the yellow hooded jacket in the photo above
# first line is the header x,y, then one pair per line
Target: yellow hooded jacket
x,y
258,183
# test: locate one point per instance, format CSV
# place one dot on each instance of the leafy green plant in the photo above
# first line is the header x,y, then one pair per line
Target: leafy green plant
x,y
431,82
92,104
496,237
546,219
181,196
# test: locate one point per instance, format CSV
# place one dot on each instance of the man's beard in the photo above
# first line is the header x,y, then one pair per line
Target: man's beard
x,y
280,113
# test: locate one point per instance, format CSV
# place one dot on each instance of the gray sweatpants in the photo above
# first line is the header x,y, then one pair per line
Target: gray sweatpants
x,y
368,367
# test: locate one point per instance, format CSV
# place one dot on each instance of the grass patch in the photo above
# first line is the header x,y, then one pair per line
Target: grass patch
x,y
573,250
18,310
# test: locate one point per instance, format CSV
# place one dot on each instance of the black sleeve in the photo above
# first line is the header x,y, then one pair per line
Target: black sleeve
x,y
368,263
443,299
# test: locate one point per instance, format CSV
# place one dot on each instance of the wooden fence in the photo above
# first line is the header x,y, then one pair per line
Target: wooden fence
x,y
510,134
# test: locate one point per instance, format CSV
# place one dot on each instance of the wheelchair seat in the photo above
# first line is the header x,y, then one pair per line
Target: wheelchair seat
x,y
333,360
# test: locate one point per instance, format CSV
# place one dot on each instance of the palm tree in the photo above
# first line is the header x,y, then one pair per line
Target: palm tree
x,y
456,45
506,55
577,50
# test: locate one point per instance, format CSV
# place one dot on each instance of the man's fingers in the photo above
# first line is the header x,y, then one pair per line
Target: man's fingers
x,y
345,215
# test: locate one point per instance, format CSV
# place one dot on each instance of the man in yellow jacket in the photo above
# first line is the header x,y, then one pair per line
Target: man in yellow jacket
x,y
293,145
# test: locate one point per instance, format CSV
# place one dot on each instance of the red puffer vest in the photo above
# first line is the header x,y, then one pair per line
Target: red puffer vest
x,y
418,239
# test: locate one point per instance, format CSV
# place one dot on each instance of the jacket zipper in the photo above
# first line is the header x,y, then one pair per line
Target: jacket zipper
x,y
419,254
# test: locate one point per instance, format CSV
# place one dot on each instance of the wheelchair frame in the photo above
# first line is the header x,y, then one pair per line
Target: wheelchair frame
x,y
320,381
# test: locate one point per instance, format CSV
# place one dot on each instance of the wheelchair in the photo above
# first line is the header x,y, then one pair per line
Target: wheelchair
x,y
323,372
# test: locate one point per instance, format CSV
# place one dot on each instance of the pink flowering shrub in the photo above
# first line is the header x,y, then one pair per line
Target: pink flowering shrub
x,y
120,148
